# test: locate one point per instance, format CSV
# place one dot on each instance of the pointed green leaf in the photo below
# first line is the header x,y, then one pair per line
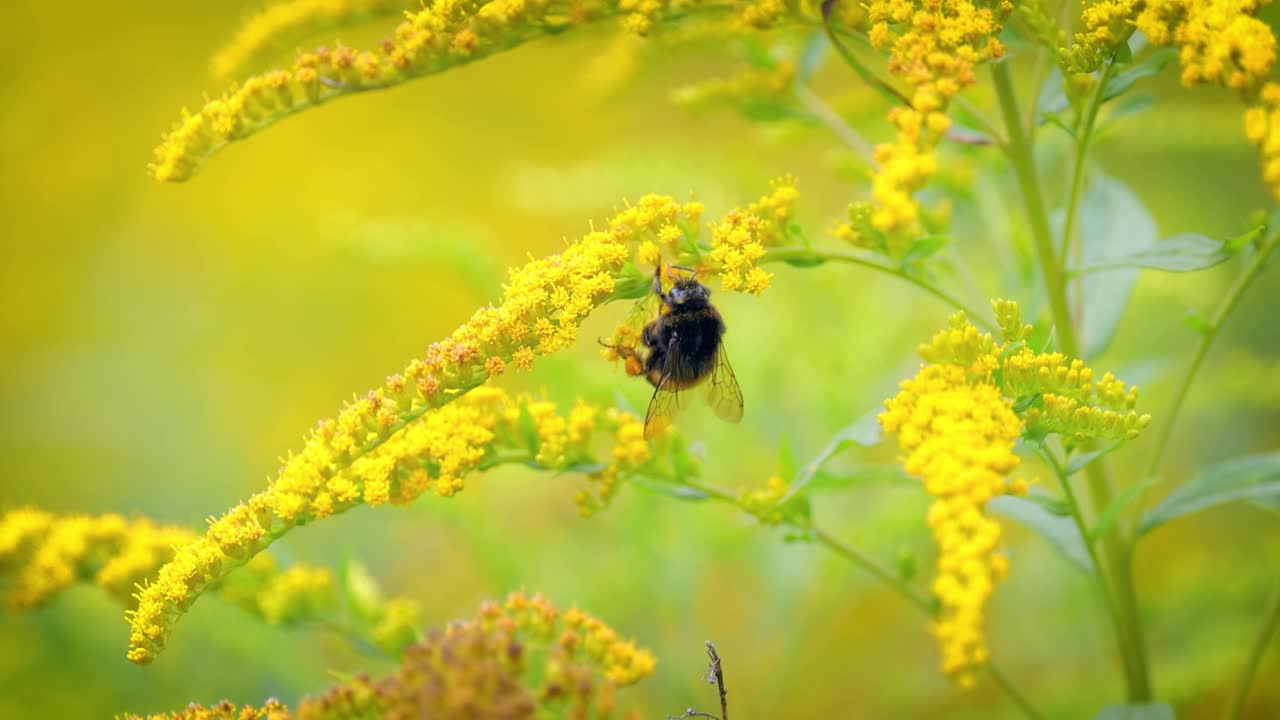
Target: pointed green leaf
x,y
1079,462
1114,223
1120,83
1107,518
1061,532
1181,253
923,247
1243,478
865,432
658,487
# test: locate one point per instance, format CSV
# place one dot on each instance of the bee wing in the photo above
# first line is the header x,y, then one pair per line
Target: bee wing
x,y
723,393
666,398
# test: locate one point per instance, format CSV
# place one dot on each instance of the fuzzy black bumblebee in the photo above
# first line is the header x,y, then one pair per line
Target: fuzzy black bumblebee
x,y
684,348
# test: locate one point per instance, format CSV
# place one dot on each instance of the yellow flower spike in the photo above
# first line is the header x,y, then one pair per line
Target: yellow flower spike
x,y
956,425
436,452
296,593
435,37
933,47
481,664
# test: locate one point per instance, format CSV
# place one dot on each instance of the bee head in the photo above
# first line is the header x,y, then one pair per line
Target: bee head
x,y
688,292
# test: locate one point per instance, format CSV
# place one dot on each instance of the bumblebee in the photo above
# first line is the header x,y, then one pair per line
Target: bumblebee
x,y
684,348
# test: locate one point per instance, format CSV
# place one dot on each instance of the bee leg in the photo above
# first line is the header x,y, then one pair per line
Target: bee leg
x,y
657,286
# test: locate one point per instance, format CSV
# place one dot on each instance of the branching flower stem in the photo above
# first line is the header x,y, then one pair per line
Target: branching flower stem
x,y
922,602
1117,570
802,256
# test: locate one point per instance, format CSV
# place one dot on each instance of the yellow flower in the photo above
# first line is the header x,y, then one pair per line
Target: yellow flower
x,y
435,452
1222,42
956,424
934,47
521,659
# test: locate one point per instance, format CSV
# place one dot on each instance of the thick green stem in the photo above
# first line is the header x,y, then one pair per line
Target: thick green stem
x,y
1128,626
1024,168
1270,619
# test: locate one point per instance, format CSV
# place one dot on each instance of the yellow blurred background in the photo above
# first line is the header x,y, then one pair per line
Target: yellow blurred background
x,y
163,346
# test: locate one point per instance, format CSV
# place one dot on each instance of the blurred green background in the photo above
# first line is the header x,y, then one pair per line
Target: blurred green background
x,y
164,345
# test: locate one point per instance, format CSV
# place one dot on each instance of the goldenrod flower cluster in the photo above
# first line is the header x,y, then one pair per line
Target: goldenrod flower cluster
x,y
740,239
433,453
442,35
1223,42
47,553
281,24
481,668
1107,23
956,423
762,503
959,440
42,555
934,47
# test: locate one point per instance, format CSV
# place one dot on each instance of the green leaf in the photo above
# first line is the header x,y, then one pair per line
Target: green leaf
x,y
1026,402
1079,462
1052,98
1050,503
1120,83
528,430
1061,532
658,487
1254,477
865,431
923,247
828,479
1107,518
1196,320
805,262
1113,224
811,57
1181,253
1148,711
359,590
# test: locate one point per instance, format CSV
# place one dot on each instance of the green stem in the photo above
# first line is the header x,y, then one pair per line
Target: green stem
x,y
810,255
836,124
825,539
1215,322
1128,627
1270,619
1084,135
924,603
1082,526
1024,168
1018,698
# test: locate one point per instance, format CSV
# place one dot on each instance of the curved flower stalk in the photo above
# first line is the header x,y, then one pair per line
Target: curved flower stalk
x,y
957,422
934,47
442,35
387,446
43,555
480,431
522,659
283,24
